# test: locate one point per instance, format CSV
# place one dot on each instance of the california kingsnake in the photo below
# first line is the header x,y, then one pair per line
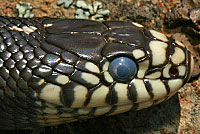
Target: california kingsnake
x,y
54,71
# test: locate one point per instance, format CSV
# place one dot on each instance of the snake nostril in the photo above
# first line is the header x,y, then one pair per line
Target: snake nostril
x,y
173,70
122,69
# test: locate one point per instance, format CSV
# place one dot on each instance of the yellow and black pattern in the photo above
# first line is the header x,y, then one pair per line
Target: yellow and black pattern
x,y
54,71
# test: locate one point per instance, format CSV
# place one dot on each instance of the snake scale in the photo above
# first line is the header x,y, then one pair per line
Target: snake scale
x,y
55,71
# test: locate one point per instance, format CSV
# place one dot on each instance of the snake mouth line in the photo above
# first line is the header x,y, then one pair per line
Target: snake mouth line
x,y
86,113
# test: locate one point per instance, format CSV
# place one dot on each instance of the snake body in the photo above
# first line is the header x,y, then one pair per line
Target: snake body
x,y
54,71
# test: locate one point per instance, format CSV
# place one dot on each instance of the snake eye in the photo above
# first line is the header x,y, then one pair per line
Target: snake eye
x,y
122,69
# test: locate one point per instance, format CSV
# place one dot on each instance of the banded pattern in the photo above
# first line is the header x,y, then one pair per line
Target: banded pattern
x,y
56,70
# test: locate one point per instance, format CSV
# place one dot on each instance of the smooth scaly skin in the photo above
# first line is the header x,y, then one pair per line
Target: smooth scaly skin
x,y
54,71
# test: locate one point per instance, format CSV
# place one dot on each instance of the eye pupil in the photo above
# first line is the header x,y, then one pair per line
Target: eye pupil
x,y
173,71
122,69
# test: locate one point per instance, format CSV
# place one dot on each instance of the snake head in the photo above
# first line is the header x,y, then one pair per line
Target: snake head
x,y
63,70
114,66
146,63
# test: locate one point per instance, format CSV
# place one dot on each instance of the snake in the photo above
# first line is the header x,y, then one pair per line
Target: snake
x,y
57,70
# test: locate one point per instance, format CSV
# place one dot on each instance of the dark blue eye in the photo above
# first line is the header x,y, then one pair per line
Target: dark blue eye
x,y
122,69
